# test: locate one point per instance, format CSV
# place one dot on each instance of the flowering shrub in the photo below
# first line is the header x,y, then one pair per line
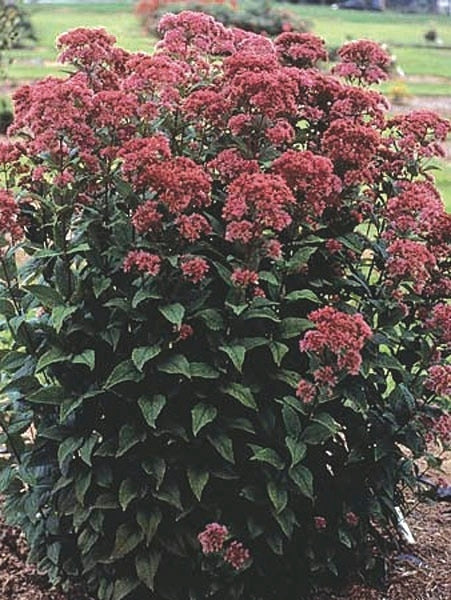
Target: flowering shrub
x,y
229,334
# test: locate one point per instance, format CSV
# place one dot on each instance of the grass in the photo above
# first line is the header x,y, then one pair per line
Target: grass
x,y
443,180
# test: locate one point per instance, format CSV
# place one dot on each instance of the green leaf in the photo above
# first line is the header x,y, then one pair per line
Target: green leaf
x,y
277,495
124,371
223,445
315,434
170,493
128,536
212,318
203,371
300,258
286,520
344,537
303,479
173,313
236,353
143,294
298,295
156,468
67,448
142,355
267,455
176,365
201,415
87,357
149,520
261,313
128,437
291,378
151,408
123,587
291,421
46,295
87,448
241,393
293,326
82,484
278,351
146,567
60,314
198,479
128,491
297,450
52,394
51,357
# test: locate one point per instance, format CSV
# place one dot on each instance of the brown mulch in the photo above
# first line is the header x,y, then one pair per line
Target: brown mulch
x,y
420,572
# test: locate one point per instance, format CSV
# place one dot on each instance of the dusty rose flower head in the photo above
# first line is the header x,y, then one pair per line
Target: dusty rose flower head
x,y
237,555
320,522
352,519
213,537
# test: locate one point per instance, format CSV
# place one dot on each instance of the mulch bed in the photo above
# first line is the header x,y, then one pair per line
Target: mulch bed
x,y
421,572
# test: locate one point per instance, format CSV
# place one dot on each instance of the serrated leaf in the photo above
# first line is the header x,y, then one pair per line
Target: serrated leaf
x,y
52,394
67,448
46,295
173,313
303,479
223,445
146,567
298,295
293,326
128,437
127,537
176,365
201,415
123,587
297,450
87,448
261,313
300,258
291,421
212,318
203,370
267,455
128,491
236,353
142,355
198,479
278,351
87,357
60,314
169,492
277,495
51,357
143,294
149,520
151,408
241,393
124,371
155,466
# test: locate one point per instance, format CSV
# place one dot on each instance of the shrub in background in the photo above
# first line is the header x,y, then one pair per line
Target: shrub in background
x,y
227,330
252,15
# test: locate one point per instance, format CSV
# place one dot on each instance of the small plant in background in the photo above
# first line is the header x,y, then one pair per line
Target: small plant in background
x,y
229,335
399,93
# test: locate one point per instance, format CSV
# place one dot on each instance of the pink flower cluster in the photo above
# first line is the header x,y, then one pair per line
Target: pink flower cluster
x,y
339,337
9,217
410,261
439,380
300,49
363,61
213,539
143,261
